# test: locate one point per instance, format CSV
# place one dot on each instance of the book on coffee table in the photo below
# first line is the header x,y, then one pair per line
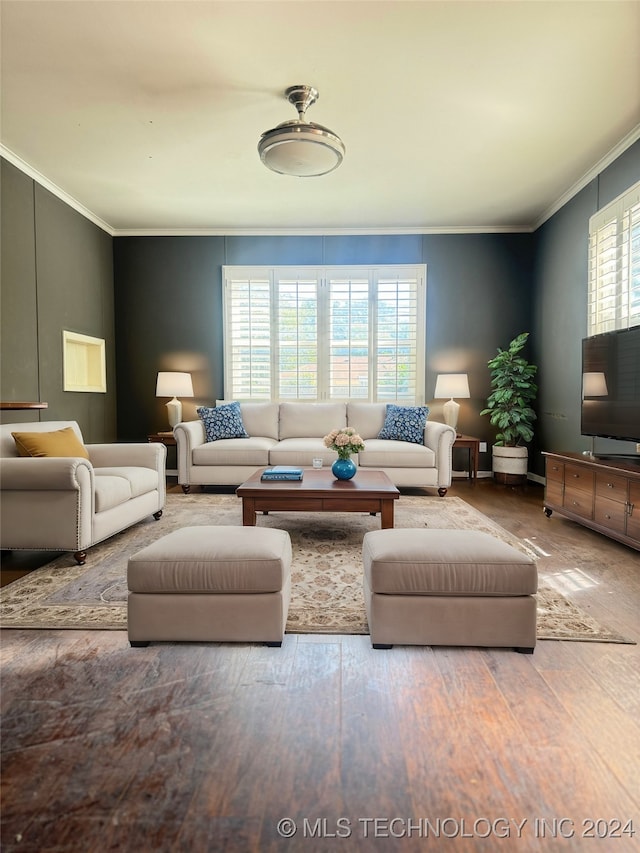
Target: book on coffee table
x,y
282,472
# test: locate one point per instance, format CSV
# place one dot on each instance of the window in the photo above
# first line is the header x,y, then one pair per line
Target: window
x,y
614,265
324,333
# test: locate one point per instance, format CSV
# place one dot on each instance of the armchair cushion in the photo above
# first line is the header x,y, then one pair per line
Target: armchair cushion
x,y
60,442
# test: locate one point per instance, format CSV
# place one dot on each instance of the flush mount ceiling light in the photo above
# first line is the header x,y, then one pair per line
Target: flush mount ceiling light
x,y
299,147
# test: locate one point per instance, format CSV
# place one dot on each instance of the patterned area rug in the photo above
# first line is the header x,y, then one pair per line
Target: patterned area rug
x,y
326,572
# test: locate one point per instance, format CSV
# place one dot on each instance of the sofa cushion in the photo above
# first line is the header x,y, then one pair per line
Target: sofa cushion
x,y
141,480
258,418
234,451
301,451
366,418
301,420
59,442
380,453
405,423
222,422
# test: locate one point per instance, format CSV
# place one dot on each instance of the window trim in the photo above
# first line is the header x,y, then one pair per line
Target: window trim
x,y
324,273
620,213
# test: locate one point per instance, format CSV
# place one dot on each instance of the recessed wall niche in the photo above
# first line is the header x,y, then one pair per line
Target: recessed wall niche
x,y
84,363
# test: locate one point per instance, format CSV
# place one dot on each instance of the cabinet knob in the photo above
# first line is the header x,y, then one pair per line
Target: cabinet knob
x,y
610,485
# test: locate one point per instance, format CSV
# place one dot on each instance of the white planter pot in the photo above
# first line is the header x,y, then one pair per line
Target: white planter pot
x,y
510,464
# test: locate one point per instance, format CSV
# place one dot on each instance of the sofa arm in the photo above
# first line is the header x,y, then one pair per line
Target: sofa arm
x,y
440,437
188,434
55,474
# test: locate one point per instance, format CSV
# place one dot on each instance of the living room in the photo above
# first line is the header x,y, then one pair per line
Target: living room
x,y
304,731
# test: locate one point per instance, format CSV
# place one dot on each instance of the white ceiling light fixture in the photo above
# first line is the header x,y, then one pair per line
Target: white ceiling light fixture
x,y
299,147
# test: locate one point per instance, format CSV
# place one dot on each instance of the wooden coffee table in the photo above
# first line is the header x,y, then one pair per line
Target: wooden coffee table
x,y
319,491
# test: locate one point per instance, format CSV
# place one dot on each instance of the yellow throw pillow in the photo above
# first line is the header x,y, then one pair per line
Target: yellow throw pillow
x,y
60,442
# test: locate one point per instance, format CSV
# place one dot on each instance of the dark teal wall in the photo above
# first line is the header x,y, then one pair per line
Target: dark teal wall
x,y
57,274
157,301
560,288
169,307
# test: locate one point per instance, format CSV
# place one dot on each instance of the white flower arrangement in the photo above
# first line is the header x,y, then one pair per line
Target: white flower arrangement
x,y
344,441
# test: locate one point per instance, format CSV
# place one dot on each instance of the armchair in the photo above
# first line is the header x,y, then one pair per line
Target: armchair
x,y
69,503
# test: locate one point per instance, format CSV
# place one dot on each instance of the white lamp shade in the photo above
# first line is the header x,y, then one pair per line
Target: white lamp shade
x,y
172,384
452,385
594,385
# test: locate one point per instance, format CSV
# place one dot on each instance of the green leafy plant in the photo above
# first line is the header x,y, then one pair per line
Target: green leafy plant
x,y
509,404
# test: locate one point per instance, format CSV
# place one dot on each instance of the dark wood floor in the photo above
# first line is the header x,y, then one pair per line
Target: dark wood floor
x,y
207,747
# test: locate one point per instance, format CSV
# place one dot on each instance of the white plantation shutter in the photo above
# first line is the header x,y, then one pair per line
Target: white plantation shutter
x,y
247,329
328,333
614,265
295,337
348,339
400,337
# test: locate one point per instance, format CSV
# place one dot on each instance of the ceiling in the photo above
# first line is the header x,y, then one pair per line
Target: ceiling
x,y
455,115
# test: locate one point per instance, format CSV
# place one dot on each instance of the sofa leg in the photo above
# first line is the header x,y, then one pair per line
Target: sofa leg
x,y
80,557
157,515
277,645
524,650
186,489
442,491
138,644
382,645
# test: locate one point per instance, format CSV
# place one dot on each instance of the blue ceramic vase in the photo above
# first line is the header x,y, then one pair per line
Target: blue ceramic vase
x,y
343,469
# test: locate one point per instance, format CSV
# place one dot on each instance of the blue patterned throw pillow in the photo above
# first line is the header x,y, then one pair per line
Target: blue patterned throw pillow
x,y
222,422
405,423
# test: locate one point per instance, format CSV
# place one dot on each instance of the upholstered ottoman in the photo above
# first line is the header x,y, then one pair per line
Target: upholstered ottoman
x,y
218,584
448,588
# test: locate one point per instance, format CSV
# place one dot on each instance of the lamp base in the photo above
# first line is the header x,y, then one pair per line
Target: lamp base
x,y
174,411
450,412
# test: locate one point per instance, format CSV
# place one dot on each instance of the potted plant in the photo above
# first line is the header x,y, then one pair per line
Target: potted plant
x,y
509,409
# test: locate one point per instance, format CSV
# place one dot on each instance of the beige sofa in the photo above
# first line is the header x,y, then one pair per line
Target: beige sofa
x,y
69,503
292,434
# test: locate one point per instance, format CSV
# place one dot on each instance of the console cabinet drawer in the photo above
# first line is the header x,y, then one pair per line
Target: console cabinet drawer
x,y
555,471
576,477
611,487
611,514
578,500
554,492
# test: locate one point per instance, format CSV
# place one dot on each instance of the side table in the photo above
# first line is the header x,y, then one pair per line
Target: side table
x,y
468,442
168,439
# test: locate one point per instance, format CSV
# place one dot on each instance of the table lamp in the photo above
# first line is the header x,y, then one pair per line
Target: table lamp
x,y
451,385
174,385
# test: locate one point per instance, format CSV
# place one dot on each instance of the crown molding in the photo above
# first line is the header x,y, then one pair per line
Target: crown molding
x,y
314,232
589,176
54,189
599,167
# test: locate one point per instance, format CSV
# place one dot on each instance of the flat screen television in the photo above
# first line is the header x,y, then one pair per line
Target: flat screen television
x,y
611,385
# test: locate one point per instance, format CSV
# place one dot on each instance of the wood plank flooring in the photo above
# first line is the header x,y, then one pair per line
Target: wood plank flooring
x,y
205,747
